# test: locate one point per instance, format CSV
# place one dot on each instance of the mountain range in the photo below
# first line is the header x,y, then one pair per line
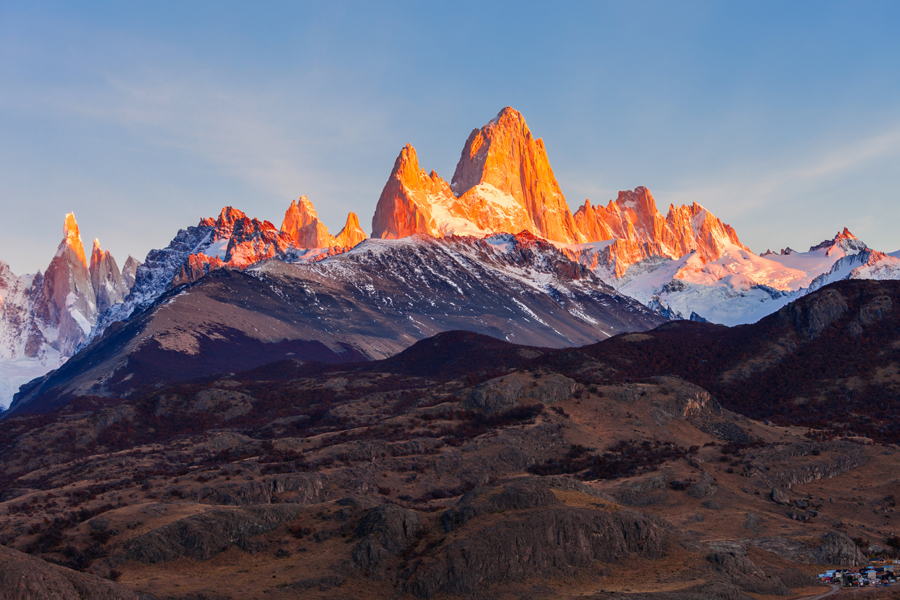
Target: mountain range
x,y
687,264
490,397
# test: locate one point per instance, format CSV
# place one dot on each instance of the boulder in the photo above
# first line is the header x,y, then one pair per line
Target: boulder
x,y
779,497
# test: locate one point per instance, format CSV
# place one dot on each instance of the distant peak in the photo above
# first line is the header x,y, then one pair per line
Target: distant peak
x,y
843,239
845,235
73,238
229,215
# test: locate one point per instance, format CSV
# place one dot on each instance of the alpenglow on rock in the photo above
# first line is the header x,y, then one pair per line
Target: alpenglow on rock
x,y
503,183
302,225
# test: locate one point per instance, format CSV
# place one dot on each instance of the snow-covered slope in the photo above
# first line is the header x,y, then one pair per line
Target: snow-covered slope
x,y
741,287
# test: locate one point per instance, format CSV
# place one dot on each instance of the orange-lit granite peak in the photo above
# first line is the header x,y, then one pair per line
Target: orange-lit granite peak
x,y
503,183
503,154
72,238
845,235
352,234
303,226
408,198
639,231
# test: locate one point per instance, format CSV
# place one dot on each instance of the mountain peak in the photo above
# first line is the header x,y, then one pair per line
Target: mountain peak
x,y
302,225
845,235
844,240
72,238
97,253
352,234
504,155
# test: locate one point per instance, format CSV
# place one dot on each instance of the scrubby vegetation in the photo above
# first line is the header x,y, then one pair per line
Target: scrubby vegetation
x,y
622,459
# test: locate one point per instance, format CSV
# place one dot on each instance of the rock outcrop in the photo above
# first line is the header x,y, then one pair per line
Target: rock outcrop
x,y
557,540
352,234
303,226
24,577
109,285
205,535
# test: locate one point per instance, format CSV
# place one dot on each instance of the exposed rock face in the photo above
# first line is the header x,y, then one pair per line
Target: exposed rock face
x,y
69,301
556,540
731,561
504,393
836,549
207,534
109,286
234,240
813,317
503,183
129,272
24,577
405,205
640,231
352,234
302,224
504,155
385,531
45,317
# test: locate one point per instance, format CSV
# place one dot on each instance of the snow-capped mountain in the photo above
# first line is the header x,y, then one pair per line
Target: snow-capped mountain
x,y
741,287
230,240
45,317
370,302
684,264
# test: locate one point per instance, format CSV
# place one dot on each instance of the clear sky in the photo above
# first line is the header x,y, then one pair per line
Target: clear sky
x,y
783,118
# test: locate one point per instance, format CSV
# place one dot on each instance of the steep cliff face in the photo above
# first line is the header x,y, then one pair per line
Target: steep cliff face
x,y
641,231
303,226
352,234
109,286
68,303
503,183
129,271
408,199
234,240
504,155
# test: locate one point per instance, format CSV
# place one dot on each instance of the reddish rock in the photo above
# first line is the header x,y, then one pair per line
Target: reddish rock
x,y
640,231
405,205
506,156
352,234
302,225
72,238
196,267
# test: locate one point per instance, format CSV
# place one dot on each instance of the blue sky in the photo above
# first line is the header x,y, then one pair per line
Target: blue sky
x,y
783,118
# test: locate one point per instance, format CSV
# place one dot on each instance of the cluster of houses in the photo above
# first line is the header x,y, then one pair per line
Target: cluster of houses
x,y
872,575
